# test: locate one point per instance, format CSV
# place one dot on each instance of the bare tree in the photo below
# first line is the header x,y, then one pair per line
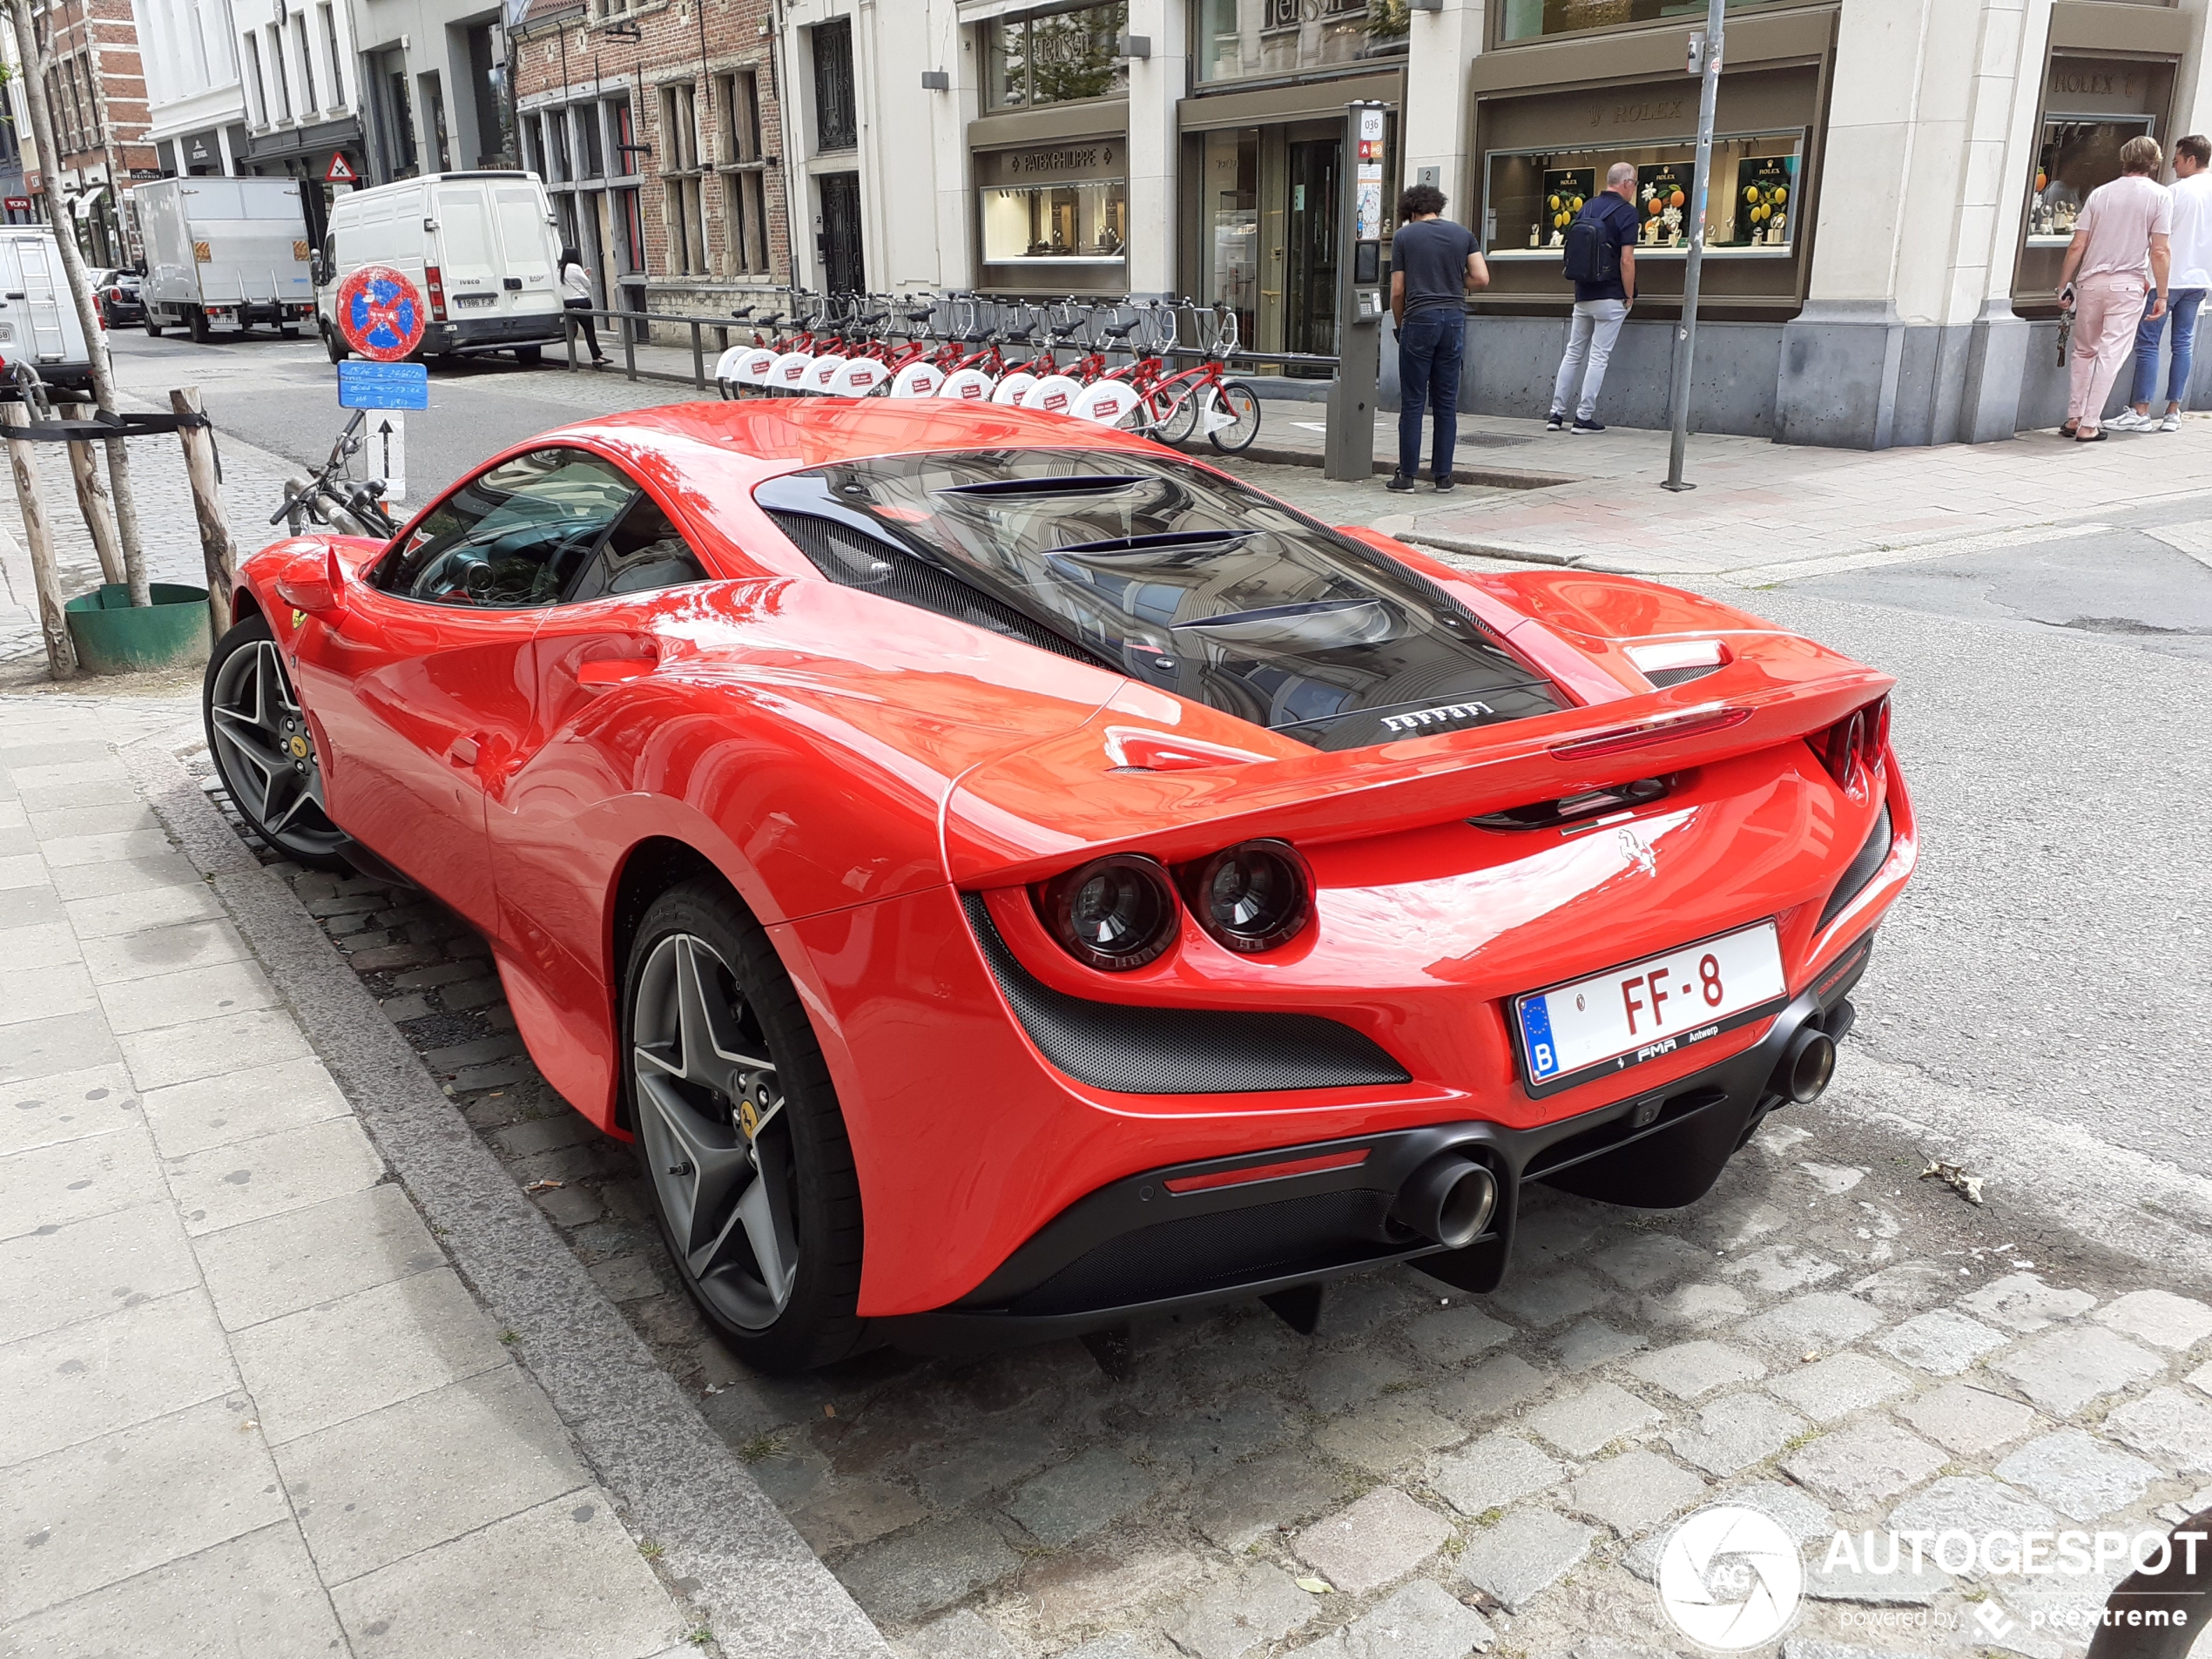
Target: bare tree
x,y
37,59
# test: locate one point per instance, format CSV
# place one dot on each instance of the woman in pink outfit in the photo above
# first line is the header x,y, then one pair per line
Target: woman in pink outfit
x,y
2118,256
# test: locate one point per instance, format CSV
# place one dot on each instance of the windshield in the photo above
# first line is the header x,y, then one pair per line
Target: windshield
x,y
1177,577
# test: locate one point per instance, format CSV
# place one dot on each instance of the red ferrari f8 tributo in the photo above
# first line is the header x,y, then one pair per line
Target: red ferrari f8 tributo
x,y
1007,877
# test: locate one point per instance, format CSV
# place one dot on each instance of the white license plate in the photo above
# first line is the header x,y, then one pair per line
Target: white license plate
x,y
1650,1008
474,301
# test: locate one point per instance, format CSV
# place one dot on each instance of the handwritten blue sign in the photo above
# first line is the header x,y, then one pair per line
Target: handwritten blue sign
x,y
384,386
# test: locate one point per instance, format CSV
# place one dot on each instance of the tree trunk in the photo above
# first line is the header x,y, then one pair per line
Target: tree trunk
x,y
36,61
61,651
216,546
92,499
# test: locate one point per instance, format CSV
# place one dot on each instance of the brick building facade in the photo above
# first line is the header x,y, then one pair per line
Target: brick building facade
x,y
656,127
96,88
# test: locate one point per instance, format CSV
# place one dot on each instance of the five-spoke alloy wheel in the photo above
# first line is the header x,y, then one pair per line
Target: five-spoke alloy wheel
x,y
738,1132
264,749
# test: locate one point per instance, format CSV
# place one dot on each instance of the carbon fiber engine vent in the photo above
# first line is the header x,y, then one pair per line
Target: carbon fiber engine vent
x,y
1175,1051
1870,859
1663,677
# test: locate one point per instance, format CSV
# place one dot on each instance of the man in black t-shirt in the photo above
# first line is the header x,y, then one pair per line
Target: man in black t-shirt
x,y
1434,264
1600,308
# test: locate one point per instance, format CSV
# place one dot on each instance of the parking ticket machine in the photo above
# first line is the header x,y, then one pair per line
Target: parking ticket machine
x,y
1360,299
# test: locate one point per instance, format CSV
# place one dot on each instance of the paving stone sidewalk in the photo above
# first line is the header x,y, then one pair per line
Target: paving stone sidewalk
x,y
252,1411
1823,1338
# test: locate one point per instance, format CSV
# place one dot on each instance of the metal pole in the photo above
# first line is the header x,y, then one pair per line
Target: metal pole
x,y
1686,331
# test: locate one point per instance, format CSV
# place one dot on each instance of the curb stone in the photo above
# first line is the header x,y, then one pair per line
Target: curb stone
x,y
724,1545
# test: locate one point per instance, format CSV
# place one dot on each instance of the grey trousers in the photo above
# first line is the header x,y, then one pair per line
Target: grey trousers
x,y
1590,333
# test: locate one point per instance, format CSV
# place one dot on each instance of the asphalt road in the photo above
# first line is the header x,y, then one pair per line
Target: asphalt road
x,y
2053,959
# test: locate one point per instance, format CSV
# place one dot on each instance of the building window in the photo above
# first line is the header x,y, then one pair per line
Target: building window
x,y
626,151
256,109
557,147
283,75
633,232
2091,107
837,116
1058,59
744,194
399,119
337,58
589,148
1752,207
1536,19
680,177
306,61
1277,37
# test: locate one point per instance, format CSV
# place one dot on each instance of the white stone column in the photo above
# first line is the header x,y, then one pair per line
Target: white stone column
x,y
957,52
1436,125
1156,83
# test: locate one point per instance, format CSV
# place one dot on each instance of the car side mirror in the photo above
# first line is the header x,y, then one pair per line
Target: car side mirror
x,y
316,276
313,582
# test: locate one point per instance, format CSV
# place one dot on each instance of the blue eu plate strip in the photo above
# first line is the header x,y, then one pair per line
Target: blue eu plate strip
x,y
1536,1038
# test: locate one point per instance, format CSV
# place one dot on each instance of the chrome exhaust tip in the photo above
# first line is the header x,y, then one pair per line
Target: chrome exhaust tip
x,y
1450,1199
1807,1065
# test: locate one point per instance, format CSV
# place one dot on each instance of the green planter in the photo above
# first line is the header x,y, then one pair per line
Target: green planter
x,y
112,636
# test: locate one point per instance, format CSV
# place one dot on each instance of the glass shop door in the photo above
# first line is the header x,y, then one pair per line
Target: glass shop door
x,y
1309,249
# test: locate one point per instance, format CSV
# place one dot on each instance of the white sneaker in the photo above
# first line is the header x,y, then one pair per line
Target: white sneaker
x,y
2128,421
2172,422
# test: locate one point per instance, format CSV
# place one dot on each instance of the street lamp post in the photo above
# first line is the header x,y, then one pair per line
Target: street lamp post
x,y
1700,184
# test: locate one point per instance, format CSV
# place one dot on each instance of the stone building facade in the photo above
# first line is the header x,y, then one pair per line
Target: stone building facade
x,y
658,129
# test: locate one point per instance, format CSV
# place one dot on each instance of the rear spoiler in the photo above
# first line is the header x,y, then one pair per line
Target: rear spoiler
x,y
1029,814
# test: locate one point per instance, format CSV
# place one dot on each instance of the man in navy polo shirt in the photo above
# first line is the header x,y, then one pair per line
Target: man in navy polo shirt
x,y
1434,264
1603,293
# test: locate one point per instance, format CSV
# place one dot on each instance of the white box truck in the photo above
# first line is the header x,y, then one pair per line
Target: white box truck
x,y
39,322
480,245
227,252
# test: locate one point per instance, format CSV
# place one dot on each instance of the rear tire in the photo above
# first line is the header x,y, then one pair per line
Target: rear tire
x,y
264,750
704,1002
529,356
289,333
333,345
1240,401
197,321
152,328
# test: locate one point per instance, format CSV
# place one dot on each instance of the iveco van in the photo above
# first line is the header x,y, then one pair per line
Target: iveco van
x,y
38,323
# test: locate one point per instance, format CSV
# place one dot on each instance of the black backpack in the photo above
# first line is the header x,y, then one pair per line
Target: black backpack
x,y
1592,255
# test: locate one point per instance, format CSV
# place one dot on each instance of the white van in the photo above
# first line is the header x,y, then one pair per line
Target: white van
x,y
38,320
480,247
227,252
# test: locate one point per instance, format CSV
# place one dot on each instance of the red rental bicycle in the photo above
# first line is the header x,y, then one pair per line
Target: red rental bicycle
x,y
1170,406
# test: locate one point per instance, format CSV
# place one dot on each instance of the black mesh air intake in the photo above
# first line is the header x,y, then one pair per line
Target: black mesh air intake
x,y
1179,1051
1870,859
1663,677
852,560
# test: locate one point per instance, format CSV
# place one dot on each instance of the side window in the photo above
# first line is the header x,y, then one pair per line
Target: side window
x,y
513,538
643,551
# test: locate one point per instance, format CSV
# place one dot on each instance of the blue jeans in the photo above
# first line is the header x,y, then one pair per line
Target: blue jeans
x,y
1430,346
2181,306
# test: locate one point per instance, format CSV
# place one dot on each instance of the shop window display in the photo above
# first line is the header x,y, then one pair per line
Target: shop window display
x,y
1058,58
1077,222
1239,38
2077,154
1750,208
1534,19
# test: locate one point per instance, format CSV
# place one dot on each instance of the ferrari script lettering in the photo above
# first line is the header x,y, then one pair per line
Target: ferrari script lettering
x,y
1443,714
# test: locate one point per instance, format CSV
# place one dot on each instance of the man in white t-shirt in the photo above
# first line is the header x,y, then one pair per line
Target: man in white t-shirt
x,y
2119,255
2190,241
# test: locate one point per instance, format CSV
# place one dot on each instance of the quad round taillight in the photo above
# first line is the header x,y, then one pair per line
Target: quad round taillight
x,y
1253,896
1113,914
1853,746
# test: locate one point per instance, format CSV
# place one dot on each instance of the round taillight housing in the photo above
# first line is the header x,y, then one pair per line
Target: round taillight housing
x,y
1113,914
1878,732
1253,896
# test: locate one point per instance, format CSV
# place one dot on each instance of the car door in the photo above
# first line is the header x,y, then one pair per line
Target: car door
x,y
423,685
605,632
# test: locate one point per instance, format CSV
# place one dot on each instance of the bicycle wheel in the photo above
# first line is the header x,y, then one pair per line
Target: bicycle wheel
x,y
1241,404
1177,409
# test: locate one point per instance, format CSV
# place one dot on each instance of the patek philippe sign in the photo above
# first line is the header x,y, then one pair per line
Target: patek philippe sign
x,y
1071,160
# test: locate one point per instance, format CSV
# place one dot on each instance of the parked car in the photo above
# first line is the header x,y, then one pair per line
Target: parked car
x,y
1005,876
479,247
224,253
120,300
38,320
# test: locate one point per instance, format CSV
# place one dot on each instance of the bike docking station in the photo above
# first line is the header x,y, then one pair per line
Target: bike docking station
x,y
1350,451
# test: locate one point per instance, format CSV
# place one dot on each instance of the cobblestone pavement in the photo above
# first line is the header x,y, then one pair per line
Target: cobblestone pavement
x,y
1825,1337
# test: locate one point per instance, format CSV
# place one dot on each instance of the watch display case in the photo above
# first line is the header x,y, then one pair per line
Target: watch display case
x,y
1750,208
